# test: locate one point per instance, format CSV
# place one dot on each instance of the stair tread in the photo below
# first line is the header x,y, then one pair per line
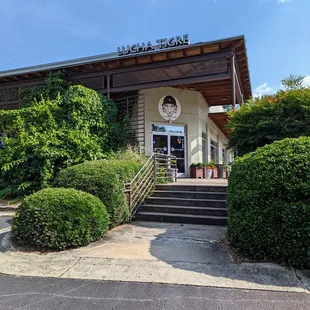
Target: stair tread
x,y
183,207
182,215
191,199
188,192
191,185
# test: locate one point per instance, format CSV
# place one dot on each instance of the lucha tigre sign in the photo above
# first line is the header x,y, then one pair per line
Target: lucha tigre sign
x,y
169,108
161,44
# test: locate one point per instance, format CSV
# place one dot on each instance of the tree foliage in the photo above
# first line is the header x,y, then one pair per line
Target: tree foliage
x,y
58,126
293,82
264,120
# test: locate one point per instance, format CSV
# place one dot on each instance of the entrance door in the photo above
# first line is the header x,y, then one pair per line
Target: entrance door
x,y
170,140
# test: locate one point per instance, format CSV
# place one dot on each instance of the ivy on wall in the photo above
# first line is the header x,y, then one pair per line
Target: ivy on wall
x,y
59,125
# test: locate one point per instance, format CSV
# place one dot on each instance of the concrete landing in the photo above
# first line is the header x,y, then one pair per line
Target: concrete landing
x,y
203,182
162,242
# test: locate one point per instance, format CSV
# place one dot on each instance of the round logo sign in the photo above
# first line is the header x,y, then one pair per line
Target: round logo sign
x,y
169,108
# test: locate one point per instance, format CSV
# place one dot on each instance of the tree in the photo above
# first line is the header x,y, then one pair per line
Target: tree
x,y
265,120
58,126
293,82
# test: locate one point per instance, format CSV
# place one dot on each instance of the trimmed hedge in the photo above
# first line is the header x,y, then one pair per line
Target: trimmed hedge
x,y
104,179
125,169
58,218
269,203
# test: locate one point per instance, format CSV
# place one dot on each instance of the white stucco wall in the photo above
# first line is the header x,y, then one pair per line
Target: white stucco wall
x,y
194,117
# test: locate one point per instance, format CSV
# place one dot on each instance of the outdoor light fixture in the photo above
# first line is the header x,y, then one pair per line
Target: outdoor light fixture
x,y
224,98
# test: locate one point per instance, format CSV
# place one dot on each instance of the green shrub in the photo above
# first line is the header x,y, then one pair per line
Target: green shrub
x,y
269,202
58,218
59,125
125,169
105,179
274,117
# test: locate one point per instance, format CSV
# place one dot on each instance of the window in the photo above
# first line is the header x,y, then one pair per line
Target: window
x,y
204,147
214,151
224,156
168,128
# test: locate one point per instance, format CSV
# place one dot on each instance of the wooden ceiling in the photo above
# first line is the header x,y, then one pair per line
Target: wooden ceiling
x,y
220,120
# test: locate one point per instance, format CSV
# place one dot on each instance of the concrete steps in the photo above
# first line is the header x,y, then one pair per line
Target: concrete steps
x,y
190,194
192,204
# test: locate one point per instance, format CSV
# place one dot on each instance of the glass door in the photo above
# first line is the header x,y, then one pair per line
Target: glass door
x,y
170,140
177,149
160,144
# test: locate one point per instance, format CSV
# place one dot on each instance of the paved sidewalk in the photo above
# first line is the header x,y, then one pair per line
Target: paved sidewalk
x,y
155,253
6,214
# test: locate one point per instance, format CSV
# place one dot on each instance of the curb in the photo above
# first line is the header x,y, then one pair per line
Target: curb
x,y
4,231
266,277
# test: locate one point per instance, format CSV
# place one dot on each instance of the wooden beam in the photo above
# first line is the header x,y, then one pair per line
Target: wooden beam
x,y
192,51
221,76
22,84
165,63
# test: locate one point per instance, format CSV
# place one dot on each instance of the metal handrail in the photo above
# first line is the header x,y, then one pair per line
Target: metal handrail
x,y
159,168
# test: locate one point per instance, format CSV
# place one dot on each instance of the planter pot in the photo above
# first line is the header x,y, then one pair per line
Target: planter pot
x,y
197,173
208,174
215,173
224,174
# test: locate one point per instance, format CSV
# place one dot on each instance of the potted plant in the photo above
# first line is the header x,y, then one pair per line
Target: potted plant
x,y
197,171
208,171
215,170
225,168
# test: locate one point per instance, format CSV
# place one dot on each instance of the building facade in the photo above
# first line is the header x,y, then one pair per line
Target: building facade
x,y
174,93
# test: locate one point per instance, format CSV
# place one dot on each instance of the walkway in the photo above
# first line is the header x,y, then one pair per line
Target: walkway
x,y
155,253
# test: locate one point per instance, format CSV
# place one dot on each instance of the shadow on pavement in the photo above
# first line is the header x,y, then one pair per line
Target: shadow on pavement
x,y
201,249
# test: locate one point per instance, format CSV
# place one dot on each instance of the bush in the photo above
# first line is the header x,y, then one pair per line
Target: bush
x,y
105,179
59,125
58,218
270,118
125,169
269,202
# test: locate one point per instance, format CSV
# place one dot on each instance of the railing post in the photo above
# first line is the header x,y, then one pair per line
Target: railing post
x,y
175,171
168,167
130,203
154,165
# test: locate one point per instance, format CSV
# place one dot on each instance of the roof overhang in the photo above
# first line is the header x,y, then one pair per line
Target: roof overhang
x,y
216,88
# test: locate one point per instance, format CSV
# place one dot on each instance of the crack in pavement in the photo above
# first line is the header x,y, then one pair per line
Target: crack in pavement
x,y
70,267
299,278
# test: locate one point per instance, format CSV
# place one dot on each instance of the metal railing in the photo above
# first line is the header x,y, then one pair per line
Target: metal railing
x,y
158,169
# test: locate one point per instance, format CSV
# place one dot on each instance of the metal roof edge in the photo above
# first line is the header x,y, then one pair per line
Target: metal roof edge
x,y
98,58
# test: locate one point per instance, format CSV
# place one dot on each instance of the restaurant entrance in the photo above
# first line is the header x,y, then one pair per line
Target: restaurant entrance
x,y
171,139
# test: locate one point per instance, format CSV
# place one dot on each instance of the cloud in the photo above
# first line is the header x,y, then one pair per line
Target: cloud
x,y
306,81
284,1
261,90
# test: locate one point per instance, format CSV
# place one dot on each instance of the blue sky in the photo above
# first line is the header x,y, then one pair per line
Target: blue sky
x,y
41,31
